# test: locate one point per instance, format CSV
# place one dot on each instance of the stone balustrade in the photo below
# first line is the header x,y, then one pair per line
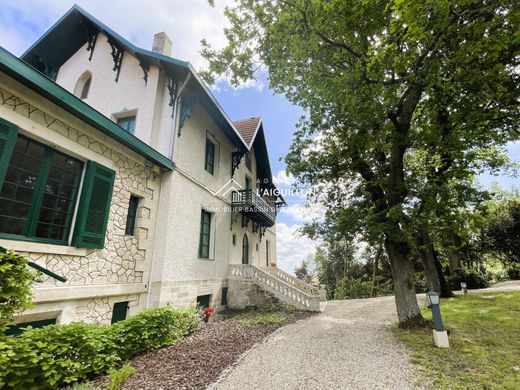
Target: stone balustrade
x,y
278,284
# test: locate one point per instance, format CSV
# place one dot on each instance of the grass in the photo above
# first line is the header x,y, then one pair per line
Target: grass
x,y
484,334
269,314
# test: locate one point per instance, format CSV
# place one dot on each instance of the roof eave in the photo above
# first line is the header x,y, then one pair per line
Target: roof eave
x,y
27,75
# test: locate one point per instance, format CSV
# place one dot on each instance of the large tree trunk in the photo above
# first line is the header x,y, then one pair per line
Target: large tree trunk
x,y
425,249
376,265
408,311
453,252
445,287
432,266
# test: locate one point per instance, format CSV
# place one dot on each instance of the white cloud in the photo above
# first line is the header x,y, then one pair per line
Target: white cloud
x,y
185,22
283,179
304,213
292,247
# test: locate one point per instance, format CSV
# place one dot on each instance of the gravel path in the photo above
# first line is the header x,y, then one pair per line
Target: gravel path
x,y
348,346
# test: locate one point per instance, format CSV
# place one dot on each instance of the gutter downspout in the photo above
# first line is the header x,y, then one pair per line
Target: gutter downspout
x,y
170,155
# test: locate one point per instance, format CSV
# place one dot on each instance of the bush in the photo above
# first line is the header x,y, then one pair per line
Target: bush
x,y
472,278
152,329
15,286
513,272
59,355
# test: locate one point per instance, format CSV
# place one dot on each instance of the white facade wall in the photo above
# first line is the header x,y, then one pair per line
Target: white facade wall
x,y
130,94
178,275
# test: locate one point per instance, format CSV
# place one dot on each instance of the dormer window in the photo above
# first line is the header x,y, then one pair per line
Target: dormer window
x,y
83,85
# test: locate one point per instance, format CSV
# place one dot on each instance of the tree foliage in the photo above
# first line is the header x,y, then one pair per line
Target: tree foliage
x,y
16,282
500,233
405,101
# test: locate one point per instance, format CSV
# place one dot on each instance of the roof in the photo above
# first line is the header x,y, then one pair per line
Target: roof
x,y
248,128
32,78
77,26
252,131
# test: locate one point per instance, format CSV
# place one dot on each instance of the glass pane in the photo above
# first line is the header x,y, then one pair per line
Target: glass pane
x,y
32,165
35,150
14,226
59,194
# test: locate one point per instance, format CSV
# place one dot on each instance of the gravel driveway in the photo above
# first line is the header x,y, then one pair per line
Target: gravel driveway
x,y
348,346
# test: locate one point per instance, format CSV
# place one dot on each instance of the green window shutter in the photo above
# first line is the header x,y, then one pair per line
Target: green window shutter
x,y
94,206
8,133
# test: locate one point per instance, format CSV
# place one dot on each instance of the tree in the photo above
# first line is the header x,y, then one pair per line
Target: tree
x,y
500,233
366,73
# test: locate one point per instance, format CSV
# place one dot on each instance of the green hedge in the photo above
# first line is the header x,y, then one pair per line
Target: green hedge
x,y
58,355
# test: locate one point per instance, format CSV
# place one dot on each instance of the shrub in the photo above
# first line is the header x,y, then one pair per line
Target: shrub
x,y
15,286
472,278
117,377
152,329
59,355
513,272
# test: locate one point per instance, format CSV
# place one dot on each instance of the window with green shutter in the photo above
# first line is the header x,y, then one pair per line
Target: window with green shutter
x,y
205,233
8,132
38,191
209,164
94,207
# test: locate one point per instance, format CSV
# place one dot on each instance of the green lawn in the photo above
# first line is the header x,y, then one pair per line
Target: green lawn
x,y
484,333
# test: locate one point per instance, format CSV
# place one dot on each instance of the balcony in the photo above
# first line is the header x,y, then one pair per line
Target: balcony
x,y
254,207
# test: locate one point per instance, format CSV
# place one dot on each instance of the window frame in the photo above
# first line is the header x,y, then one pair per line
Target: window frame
x,y
131,216
127,117
202,233
35,209
207,164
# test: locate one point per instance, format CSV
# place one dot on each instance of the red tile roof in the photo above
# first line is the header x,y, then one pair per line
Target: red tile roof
x,y
247,128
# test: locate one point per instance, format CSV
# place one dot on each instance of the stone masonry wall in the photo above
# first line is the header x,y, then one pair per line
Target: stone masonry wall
x,y
125,259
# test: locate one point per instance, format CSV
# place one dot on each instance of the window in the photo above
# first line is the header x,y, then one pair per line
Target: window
x,y
132,214
248,161
224,300
119,312
203,301
267,253
17,329
82,87
248,183
205,232
209,163
39,192
127,123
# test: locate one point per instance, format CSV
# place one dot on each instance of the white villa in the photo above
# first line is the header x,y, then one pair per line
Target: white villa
x,y
126,183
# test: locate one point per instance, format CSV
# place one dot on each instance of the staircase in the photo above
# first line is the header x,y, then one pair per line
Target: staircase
x,y
282,285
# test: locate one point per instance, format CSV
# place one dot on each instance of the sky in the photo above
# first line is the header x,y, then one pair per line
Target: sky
x,y
186,22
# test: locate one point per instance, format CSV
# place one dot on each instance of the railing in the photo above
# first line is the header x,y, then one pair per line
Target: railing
x,y
40,268
292,280
248,200
282,290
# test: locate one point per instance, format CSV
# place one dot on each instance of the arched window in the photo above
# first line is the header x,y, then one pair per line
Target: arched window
x,y
83,85
245,250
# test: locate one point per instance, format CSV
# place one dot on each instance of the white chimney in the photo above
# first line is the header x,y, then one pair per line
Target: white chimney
x,y
162,44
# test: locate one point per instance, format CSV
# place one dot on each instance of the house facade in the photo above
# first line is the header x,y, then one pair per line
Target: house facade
x,y
190,206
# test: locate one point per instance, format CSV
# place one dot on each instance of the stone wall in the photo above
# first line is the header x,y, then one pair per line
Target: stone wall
x,y
125,259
